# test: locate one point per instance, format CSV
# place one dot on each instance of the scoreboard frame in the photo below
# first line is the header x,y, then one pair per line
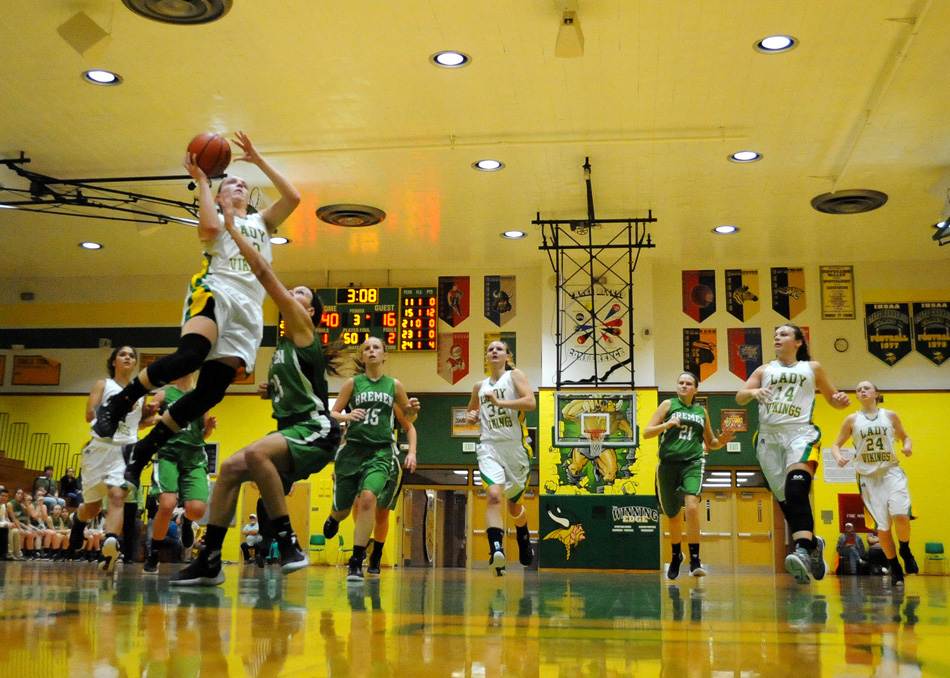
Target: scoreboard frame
x,y
404,318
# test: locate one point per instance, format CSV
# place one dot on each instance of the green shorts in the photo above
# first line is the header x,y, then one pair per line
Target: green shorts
x,y
183,472
362,467
312,446
675,480
390,494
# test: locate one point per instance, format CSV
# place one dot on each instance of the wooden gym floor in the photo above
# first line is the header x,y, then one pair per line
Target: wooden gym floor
x,y
71,620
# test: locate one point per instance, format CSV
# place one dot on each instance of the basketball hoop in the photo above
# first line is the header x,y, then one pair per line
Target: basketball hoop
x,y
596,438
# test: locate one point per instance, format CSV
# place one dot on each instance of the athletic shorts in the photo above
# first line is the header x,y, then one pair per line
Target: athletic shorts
x,y
885,495
312,445
362,467
676,479
101,467
505,464
778,450
240,321
182,473
390,494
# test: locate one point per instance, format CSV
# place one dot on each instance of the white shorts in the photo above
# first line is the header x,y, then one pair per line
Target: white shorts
x,y
885,495
102,467
778,450
505,464
240,323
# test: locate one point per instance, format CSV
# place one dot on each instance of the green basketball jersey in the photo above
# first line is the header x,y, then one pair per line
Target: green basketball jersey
x,y
298,382
192,437
377,398
683,442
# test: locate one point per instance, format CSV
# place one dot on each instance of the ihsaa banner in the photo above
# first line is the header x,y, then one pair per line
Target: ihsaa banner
x,y
888,331
932,330
500,298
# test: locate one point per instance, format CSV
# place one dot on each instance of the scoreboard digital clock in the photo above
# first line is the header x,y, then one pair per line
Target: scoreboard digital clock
x,y
404,318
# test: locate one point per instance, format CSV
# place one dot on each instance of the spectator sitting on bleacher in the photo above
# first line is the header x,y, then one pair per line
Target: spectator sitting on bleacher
x,y
59,524
21,518
70,488
851,550
9,534
252,538
39,518
46,482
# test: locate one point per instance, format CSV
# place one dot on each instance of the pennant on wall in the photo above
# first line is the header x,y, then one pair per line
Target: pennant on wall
x,y
453,299
699,294
500,298
887,327
788,291
742,293
932,330
507,337
700,351
745,350
453,356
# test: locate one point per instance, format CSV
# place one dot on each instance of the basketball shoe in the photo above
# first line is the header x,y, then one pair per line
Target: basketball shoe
x,y
673,571
817,558
110,553
798,564
292,557
205,570
498,562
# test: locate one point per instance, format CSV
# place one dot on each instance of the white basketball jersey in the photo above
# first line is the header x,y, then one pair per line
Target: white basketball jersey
x,y
128,429
500,424
793,395
227,264
873,442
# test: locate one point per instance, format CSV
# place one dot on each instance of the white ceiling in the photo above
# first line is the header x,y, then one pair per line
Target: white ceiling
x,y
341,98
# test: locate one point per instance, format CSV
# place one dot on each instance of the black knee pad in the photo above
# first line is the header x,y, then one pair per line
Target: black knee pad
x,y
191,353
213,381
797,504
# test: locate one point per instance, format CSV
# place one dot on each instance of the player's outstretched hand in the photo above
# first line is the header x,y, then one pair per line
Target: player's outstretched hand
x,y
191,166
251,155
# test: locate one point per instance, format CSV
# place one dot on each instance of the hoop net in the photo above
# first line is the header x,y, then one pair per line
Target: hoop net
x,y
596,438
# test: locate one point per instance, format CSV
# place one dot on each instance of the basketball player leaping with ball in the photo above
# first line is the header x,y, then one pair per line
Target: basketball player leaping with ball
x,y
223,321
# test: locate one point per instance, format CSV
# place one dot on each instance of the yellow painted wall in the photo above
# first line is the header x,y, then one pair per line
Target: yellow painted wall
x,y
920,413
241,419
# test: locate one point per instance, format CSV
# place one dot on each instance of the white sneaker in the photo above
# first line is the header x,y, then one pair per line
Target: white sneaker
x,y
798,564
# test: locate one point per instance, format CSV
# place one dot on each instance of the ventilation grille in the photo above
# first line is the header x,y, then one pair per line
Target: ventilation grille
x,y
350,216
180,11
849,202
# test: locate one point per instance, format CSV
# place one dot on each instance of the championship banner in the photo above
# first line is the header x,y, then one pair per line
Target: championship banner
x,y
742,293
453,299
887,327
699,294
932,330
837,292
700,351
788,291
453,356
500,298
509,338
35,370
745,350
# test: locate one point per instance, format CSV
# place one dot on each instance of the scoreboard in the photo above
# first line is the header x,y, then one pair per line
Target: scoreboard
x,y
404,318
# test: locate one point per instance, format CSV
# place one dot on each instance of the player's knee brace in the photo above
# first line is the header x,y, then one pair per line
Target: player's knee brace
x,y
797,504
191,353
213,381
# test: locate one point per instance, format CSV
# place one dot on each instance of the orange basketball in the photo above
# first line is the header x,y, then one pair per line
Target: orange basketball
x,y
212,153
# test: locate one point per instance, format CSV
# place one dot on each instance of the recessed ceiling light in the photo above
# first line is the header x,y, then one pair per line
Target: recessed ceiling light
x,y
450,59
775,44
513,235
488,165
90,245
279,240
98,77
7,207
725,229
745,156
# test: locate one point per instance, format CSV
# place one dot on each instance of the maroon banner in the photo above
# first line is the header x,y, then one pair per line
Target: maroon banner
x,y
699,294
454,299
745,350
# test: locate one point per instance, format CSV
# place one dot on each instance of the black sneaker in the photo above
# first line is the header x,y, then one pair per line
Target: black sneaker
x,y
292,557
205,570
910,565
151,564
373,570
696,568
108,416
897,577
355,573
330,527
673,571
259,557
525,552
498,562
110,553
